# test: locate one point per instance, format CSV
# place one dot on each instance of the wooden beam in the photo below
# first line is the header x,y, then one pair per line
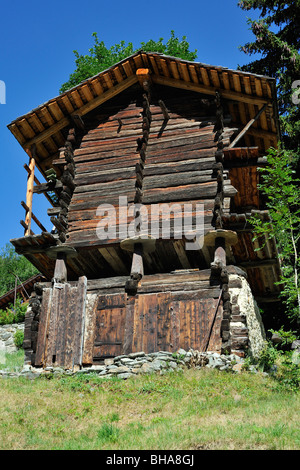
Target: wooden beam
x,y
29,192
37,182
137,268
247,127
142,76
164,110
262,134
30,232
107,95
64,122
227,94
36,220
259,264
60,272
50,186
47,133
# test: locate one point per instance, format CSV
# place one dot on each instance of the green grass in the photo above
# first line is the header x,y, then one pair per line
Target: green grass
x,y
13,362
190,410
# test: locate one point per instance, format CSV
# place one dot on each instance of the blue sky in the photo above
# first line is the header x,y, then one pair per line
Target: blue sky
x,y
36,57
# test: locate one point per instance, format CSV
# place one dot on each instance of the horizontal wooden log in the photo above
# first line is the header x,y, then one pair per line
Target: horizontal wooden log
x,y
188,192
199,164
177,179
88,238
90,214
105,176
47,187
103,189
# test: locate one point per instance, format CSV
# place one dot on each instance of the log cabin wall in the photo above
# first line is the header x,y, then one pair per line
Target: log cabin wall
x,y
175,164
157,142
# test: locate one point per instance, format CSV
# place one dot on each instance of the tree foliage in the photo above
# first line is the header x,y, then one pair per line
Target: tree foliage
x,y
277,44
12,265
101,57
276,51
283,202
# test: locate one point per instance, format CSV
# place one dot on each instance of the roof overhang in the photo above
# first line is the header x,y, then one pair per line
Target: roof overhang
x,y
246,94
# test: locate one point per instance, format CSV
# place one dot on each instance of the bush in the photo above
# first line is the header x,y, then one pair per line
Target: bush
x,y
267,357
19,339
13,314
288,373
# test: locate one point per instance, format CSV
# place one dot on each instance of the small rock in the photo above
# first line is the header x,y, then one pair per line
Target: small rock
x,y
276,339
146,368
181,352
121,370
158,364
136,354
108,362
112,367
296,345
237,368
125,375
118,358
173,364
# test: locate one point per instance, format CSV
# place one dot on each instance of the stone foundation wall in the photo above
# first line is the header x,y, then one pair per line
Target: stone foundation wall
x,y
246,327
7,332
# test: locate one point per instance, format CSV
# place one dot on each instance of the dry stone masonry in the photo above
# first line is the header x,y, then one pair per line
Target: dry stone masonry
x,y
126,366
7,333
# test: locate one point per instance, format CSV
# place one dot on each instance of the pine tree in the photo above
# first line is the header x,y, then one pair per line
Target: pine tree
x,y
277,43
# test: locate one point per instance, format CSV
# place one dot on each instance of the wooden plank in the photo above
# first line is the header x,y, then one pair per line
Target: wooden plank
x,y
43,328
80,321
110,326
71,319
54,312
62,320
128,330
113,260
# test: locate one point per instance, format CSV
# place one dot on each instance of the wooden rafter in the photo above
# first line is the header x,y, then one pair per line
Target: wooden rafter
x,y
64,122
208,90
248,125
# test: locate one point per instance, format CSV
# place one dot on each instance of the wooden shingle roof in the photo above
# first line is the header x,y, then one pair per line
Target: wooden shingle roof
x,y
245,94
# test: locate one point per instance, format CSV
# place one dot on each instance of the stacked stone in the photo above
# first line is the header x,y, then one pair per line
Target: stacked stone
x,y
7,333
133,364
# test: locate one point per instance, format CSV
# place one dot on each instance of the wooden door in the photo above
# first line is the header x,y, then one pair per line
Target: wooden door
x,y
110,325
61,325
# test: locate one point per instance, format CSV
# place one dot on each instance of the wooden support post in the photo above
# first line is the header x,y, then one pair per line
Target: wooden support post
x,y
29,193
60,272
137,267
220,252
60,253
138,246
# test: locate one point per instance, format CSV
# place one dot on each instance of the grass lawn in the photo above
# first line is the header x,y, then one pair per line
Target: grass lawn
x,y
190,410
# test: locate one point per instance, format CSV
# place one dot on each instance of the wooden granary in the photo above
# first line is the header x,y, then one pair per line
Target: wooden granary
x,y
123,147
